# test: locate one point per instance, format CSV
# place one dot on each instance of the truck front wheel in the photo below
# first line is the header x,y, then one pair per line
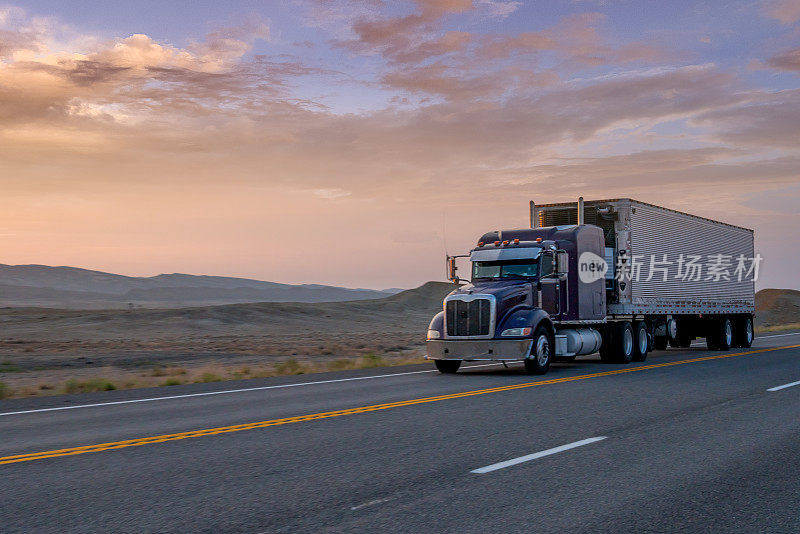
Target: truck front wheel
x,y
541,353
447,366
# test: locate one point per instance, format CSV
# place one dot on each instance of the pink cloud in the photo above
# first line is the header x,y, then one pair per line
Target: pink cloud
x,y
785,11
788,60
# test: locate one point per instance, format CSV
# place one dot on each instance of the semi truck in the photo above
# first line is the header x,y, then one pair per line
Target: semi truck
x,y
616,277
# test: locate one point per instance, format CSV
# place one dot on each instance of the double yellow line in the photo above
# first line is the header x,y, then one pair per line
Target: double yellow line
x,y
351,411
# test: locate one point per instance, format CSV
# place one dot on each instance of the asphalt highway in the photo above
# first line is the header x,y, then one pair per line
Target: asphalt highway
x,y
690,441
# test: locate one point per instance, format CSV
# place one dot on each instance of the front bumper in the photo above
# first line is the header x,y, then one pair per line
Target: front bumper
x,y
474,350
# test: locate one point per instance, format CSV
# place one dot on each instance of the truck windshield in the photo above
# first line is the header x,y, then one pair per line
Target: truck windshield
x,y
526,268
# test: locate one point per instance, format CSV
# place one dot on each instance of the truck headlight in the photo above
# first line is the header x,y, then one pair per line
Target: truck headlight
x,y
434,334
516,332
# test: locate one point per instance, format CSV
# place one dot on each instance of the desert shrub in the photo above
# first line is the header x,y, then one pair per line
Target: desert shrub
x,y
87,386
290,367
172,382
372,360
9,367
5,391
341,364
210,377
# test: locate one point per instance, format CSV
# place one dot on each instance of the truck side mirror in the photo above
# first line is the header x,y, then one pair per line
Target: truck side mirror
x,y
451,269
562,262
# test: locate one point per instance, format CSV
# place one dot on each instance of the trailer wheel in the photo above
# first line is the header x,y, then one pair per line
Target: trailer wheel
x,y
684,340
641,343
660,342
743,332
624,343
541,353
712,338
725,334
720,334
447,366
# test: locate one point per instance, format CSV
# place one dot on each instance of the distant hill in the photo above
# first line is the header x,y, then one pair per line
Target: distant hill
x,y
75,288
777,307
230,327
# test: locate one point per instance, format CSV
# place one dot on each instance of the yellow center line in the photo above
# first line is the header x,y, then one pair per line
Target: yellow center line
x,y
351,411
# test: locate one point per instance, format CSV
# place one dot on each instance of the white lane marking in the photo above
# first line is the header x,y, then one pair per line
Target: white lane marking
x,y
777,388
534,456
207,393
699,343
243,390
370,503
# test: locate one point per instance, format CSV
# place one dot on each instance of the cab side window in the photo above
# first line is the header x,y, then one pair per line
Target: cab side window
x,y
545,265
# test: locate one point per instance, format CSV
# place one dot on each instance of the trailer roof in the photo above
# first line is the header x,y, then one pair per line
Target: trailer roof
x,y
611,200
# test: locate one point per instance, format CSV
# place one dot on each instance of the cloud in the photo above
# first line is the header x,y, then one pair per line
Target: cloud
x,y
496,8
785,11
764,119
788,60
199,143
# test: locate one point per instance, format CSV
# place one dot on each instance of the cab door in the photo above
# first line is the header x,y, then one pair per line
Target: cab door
x,y
549,286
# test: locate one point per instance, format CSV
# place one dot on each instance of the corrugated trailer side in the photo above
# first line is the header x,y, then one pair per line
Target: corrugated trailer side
x,y
646,233
664,241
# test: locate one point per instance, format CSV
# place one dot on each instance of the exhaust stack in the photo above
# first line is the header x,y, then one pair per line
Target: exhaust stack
x,y
580,210
534,215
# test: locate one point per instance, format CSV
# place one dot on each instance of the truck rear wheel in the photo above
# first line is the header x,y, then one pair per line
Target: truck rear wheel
x,y
447,366
607,345
623,343
541,353
641,342
743,332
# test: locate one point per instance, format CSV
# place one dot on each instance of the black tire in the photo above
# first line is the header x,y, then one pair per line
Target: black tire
x,y
447,366
725,334
712,338
640,341
538,362
660,342
607,345
624,341
743,332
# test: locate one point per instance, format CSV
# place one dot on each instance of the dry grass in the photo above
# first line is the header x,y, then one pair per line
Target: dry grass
x,y
111,378
777,327
87,386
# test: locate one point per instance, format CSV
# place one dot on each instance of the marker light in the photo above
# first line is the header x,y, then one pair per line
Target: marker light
x,y
516,241
480,243
516,332
505,243
434,334
538,239
497,243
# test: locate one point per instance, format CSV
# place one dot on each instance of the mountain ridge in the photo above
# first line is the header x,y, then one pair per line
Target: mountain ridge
x,y
77,288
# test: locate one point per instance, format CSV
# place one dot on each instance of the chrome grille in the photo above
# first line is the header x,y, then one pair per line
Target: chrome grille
x,y
468,318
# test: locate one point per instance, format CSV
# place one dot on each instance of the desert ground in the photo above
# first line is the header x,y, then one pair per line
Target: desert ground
x,y
48,351
45,351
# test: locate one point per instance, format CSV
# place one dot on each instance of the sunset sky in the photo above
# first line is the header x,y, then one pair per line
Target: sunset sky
x,y
350,142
